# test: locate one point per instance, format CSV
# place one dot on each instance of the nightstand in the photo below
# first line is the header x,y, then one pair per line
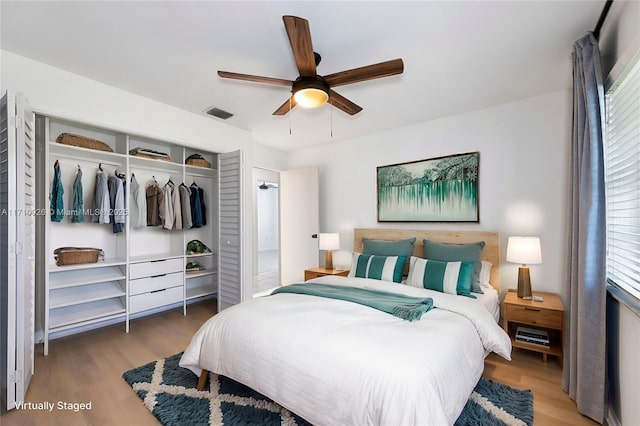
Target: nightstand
x,y
547,315
321,272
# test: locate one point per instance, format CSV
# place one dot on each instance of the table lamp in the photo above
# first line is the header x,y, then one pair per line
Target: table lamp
x,y
329,242
525,251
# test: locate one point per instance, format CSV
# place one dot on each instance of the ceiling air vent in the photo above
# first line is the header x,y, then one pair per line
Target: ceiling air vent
x,y
217,112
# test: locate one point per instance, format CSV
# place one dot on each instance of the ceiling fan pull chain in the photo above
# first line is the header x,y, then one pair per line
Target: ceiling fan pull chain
x,y
331,109
290,112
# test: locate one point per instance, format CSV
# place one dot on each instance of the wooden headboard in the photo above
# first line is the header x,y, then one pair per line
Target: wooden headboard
x,y
491,252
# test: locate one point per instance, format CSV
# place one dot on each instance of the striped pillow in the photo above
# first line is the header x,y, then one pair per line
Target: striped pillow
x,y
387,268
446,277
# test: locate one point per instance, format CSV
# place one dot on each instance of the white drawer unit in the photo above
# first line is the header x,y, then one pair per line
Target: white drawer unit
x,y
155,267
156,298
156,282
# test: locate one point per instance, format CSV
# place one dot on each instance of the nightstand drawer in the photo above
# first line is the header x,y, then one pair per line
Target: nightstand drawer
x,y
535,316
310,274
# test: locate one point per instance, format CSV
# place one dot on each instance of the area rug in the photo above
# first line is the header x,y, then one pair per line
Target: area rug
x,y
169,392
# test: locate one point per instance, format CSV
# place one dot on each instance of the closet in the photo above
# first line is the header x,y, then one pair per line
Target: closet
x,y
144,269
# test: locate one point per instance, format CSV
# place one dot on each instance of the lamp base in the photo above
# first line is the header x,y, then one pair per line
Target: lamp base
x,y
524,282
328,260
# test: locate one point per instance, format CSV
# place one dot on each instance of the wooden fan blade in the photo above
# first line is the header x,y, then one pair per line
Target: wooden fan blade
x,y
256,78
382,69
300,40
284,108
343,103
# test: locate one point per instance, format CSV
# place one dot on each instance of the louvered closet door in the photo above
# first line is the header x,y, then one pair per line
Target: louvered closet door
x,y
16,248
230,231
25,256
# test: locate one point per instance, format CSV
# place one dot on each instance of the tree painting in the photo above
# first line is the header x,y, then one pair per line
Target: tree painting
x,y
443,189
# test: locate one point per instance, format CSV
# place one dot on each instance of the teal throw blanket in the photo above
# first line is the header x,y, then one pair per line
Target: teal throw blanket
x,y
399,305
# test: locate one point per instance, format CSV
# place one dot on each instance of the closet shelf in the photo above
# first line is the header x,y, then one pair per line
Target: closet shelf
x,y
89,293
156,165
201,291
200,255
198,274
99,264
75,152
200,171
85,313
65,279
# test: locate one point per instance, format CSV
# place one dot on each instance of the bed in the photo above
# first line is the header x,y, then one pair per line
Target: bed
x,y
334,362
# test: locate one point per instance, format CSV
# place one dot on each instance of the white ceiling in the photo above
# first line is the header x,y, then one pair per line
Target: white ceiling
x,y
459,55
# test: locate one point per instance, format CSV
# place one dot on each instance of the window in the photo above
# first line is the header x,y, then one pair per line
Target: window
x,y
622,175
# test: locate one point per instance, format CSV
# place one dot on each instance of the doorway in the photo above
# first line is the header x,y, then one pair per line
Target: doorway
x,y
267,238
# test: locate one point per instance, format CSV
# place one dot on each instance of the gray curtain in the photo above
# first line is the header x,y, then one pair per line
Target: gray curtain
x,y
585,339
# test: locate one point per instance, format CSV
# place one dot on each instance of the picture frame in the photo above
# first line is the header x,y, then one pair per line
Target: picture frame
x,y
439,189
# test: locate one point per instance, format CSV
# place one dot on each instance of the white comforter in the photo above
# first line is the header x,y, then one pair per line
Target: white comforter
x,y
339,363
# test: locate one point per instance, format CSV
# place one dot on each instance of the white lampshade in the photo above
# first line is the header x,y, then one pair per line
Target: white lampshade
x,y
329,241
524,250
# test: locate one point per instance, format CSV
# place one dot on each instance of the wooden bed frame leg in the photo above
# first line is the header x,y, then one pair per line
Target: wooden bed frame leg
x,y
202,381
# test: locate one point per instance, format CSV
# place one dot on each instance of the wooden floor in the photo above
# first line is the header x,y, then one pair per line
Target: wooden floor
x,y
89,367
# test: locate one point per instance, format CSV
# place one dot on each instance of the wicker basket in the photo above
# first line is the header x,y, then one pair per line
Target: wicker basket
x,y
151,156
81,141
197,160
76,255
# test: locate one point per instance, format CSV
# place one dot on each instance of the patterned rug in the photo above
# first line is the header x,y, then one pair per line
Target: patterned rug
x,y
170,393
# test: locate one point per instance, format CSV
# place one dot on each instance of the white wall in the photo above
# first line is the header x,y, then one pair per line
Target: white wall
x,y
57,92
523,147
619,42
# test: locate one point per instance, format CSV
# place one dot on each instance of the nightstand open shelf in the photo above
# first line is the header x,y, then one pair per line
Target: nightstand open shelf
x,y
547,315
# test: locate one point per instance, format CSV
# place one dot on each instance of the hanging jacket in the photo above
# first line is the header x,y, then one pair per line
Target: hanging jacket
x,y
56,202
101,202
77,209
185,204
137,205
154,203
116,203
196,206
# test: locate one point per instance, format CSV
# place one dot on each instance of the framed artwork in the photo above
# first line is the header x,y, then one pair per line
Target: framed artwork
x,y
442,189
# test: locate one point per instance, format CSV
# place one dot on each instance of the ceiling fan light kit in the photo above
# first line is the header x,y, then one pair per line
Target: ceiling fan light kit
x,y
311,90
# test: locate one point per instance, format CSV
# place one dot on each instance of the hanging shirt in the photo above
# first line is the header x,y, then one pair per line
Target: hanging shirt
x,y
77,212
56,202
167,208
177,206
154,203
137,205
185,203
116,203
101,202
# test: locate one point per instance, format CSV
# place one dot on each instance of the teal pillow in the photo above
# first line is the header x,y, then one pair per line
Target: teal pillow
x,y
458,252
445,277
387,268
388,248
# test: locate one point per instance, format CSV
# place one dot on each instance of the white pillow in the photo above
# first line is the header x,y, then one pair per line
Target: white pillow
x,y
485,274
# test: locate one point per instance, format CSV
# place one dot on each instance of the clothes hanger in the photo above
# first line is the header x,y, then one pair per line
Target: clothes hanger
x,y
100,167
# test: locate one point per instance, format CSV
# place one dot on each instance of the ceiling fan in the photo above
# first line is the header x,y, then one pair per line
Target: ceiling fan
x,y
311,90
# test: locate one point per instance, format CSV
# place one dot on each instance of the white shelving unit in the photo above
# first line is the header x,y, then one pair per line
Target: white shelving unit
x,y
83,296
